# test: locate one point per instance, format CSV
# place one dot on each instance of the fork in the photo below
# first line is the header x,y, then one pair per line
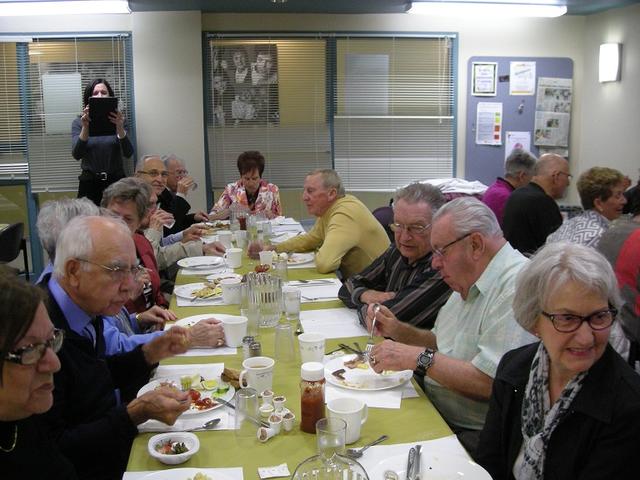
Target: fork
x,y
370,344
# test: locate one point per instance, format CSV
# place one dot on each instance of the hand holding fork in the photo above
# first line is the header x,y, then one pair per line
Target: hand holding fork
x,y
370,344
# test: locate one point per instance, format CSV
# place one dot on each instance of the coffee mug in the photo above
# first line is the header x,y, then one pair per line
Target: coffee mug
x,y
235,328
353,411
231,290
311,347
257,373
233,257
224,237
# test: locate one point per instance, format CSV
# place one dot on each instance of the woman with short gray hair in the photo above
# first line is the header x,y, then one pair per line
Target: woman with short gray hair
x,y
569,405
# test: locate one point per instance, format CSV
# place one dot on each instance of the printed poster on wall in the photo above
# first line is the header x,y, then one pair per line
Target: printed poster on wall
x,y
485,78
489,123
553,112
513,140
522,78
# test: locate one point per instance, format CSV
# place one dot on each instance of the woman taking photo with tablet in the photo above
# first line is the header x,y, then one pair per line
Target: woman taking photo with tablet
x,y
101,155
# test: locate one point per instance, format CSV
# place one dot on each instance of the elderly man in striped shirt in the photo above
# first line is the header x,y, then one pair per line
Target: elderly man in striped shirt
x,y
402,278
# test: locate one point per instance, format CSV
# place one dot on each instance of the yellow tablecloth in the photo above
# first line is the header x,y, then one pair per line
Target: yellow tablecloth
x,y
416,420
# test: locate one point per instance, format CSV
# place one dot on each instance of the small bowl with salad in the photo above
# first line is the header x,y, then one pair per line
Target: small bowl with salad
x,y
173,448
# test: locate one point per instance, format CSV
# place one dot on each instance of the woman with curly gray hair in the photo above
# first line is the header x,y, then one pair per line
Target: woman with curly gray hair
x,y
569,405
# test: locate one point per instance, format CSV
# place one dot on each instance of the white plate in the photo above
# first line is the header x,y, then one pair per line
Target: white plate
x,y
363,379
300,258
433,466
188,322
186,292
200,262
218,276
184,474
152,385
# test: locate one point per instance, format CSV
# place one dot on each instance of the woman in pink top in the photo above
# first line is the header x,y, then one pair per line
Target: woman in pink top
x,y
251,191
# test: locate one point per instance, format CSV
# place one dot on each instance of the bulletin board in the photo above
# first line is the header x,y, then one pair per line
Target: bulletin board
x,y
486,162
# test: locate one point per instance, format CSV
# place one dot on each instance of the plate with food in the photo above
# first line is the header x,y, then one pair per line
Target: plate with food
x,y
201,262
188,474
203,392
213,227
300,258
433,465
198,291
354,373
215,278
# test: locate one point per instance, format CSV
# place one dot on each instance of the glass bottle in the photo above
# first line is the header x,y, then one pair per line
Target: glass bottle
x,y
311,395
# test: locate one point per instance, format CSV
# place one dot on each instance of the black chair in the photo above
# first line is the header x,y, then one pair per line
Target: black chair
x,y
384,215
11,242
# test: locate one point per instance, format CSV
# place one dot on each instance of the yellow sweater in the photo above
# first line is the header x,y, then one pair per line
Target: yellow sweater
x,y
346,236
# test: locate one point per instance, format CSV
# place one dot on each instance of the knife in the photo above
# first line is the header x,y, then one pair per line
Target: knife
x,y
416,463
411,458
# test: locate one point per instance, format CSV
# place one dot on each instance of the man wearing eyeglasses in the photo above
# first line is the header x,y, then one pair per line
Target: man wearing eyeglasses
x,y
153,170
95,414
531,213
402,278
474,328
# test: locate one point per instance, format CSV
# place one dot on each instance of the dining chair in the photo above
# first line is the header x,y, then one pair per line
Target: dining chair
x,y
11,243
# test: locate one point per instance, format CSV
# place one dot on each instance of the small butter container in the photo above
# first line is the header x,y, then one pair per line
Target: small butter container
x,y
266,409
278,403
265,434
288,420
275,421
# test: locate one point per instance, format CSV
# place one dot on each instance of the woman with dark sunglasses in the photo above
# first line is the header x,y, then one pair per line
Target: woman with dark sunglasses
x,y
567,407
28,360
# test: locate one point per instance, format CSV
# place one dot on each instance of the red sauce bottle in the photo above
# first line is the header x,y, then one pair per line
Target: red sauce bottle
x,y
311,395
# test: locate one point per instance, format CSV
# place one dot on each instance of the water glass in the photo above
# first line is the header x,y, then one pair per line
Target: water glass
x,y
246,415
291,300
331,433
284,344
249,308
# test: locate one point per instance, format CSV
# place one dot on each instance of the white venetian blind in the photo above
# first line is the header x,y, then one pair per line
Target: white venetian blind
x,y
394,118
57,70
267,94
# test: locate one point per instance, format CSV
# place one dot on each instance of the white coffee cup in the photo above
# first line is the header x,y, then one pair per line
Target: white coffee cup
x,y
235,328
353,411
266,257
231,290
257,373
224,237
311,347
233,257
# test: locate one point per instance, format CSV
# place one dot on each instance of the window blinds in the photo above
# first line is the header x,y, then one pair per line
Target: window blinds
x,y
52,73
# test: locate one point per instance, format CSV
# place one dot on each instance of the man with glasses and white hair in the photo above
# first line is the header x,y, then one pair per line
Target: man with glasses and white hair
x,y
95,414
473,329
402,278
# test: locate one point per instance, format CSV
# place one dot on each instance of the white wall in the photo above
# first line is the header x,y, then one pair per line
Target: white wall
x,y
168,70
611,113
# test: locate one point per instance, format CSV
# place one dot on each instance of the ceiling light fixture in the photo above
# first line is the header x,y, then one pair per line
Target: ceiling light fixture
x,y
15,9
492,10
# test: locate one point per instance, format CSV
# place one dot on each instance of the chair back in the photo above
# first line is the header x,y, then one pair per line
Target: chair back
x,y
384,215
11,242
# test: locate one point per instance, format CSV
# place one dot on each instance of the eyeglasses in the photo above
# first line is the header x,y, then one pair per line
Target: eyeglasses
x,y
155,173
118,273
440,252
412,229
567,323
182,173
32,354
569,176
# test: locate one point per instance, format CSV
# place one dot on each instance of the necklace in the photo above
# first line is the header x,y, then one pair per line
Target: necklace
x,y
15,440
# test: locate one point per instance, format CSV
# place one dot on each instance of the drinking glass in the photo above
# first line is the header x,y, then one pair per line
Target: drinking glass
x,y
246,416
331,435
291,300
284,344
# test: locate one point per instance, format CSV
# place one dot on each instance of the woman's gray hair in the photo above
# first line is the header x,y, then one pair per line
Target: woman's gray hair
x,y
519,161
468,215
330,179
76,241
421,193
54,216
129,189
555,265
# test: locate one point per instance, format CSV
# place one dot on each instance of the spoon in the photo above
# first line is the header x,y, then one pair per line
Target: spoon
x,y
357,452
208,425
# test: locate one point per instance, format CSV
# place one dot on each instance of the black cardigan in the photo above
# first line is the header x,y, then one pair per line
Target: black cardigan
x,y
598,439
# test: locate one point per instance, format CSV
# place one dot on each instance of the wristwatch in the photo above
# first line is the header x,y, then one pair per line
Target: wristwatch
x,y
425,361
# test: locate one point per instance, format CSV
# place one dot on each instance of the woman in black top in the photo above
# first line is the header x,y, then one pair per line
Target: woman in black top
x,y
101,155
28,360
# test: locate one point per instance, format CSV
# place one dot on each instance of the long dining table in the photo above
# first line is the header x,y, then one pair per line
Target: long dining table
x,y
417,420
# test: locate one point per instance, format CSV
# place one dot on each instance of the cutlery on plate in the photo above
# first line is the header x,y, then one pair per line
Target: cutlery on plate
x,y
358,347
416,464
346,347
391,475
233,407
370,344
411,458
357,452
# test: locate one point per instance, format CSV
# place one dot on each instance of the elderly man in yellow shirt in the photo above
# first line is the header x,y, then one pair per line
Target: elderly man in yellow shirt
x,y
346,235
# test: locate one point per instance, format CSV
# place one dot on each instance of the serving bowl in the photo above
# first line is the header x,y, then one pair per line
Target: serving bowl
x,y
190,441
